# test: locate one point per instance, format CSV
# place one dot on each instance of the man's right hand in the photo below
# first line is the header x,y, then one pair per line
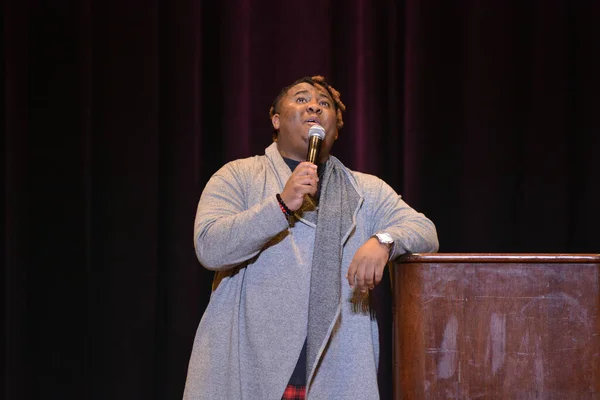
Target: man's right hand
x,y
304,180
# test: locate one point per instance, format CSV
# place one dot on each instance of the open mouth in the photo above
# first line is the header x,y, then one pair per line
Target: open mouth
x,y
313,121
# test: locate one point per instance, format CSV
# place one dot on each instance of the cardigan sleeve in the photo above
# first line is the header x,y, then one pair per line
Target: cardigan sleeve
x,y
412,231
226,231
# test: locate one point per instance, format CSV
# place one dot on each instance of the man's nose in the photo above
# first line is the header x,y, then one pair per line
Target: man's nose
x,y
314,108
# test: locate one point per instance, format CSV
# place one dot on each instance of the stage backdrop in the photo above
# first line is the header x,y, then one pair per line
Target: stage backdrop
x,y
484,115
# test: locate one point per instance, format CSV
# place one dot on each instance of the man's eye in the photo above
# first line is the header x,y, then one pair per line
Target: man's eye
x,y
300,100
325,103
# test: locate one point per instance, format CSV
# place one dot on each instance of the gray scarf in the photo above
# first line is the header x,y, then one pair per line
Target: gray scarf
x,y
337,204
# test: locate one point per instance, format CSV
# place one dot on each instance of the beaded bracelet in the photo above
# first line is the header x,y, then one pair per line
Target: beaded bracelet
x,y
283,207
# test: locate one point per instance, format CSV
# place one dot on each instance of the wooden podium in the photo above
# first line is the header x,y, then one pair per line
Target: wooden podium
x,y
497,326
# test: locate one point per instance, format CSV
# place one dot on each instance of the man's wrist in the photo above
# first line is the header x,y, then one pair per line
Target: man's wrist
x,y
284,208
385,239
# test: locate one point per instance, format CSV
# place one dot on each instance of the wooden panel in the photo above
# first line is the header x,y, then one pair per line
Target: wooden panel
x,y
497,326
480,258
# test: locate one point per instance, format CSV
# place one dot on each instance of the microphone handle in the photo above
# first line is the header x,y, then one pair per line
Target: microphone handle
x,y
314,147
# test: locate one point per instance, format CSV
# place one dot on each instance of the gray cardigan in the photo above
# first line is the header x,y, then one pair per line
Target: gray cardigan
x,y
253,329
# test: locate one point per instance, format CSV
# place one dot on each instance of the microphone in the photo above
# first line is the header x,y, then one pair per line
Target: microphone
x,y
316,134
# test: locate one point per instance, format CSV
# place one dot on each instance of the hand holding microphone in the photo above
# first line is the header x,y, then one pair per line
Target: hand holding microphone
x,y
304,179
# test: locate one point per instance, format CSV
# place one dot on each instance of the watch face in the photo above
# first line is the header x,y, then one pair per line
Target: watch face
x,y
384,238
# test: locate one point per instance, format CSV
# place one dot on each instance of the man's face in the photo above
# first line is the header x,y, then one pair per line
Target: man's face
x,y
304,105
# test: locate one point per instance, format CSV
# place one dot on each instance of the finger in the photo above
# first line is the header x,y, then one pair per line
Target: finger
x,y
313,188
305,168
360,276
369,275
310,180
305,186
350,275
379,274
308,172
303,191
307,164
306,179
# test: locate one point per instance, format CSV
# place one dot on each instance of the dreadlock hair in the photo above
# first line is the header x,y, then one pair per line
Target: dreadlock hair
x,y
313,80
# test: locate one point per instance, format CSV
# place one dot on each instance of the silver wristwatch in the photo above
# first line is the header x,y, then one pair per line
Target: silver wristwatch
x,y
385,239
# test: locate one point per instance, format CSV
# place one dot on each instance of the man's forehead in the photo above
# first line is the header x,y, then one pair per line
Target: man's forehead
x,y
305,86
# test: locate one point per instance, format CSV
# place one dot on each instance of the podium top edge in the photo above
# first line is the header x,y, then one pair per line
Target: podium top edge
x,y
498,258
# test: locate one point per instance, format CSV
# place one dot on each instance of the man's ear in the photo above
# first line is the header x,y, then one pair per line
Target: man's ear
x,y
275,121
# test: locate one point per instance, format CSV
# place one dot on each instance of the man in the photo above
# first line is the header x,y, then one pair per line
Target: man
x,y
296,248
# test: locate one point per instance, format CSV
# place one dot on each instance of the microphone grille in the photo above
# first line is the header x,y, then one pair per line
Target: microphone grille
x,y
317,130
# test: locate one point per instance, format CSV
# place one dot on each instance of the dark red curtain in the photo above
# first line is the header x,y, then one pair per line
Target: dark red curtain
x,y
115,114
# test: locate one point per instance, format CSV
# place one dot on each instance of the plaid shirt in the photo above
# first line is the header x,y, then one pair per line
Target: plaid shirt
x,y
293,392
296,388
